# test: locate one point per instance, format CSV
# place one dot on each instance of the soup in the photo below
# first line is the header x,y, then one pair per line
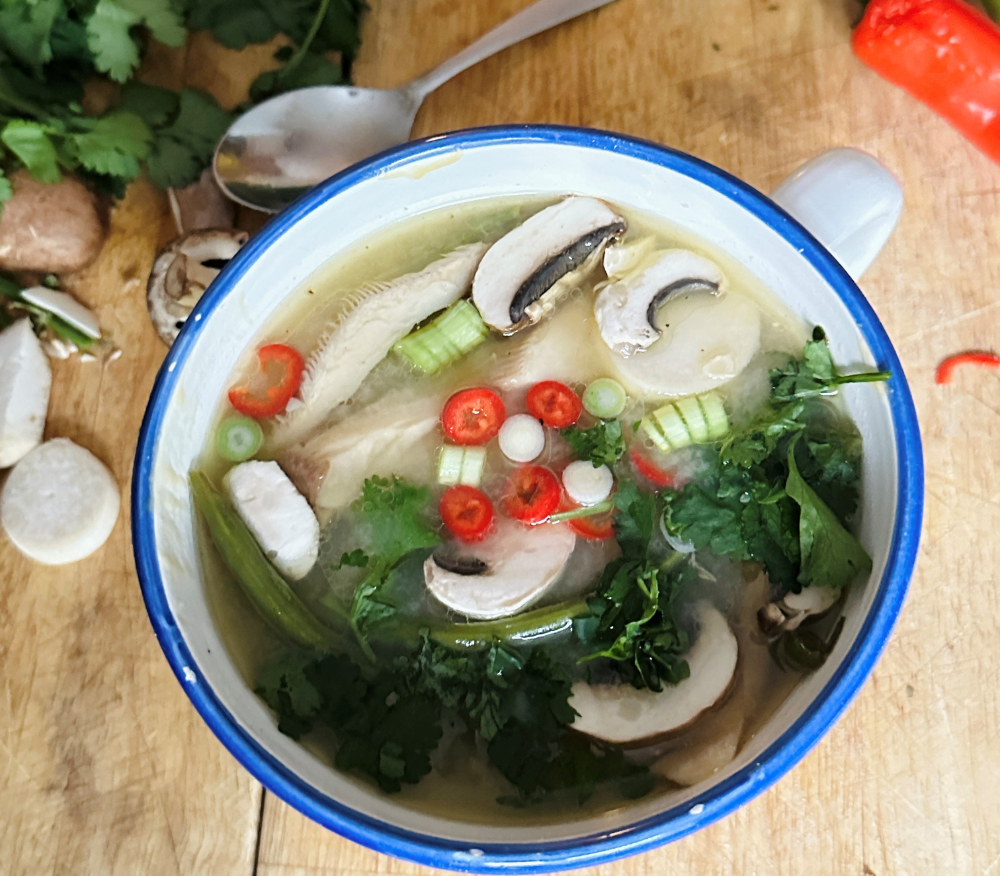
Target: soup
x,y
527,506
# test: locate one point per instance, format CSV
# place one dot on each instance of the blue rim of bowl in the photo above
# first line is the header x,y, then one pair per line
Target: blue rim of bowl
x,y
651,832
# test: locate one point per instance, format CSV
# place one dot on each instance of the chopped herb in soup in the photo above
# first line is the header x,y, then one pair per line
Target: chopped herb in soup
x,y
540,504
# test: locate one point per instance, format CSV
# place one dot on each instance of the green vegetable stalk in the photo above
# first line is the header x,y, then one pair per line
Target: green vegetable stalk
x,y
270,594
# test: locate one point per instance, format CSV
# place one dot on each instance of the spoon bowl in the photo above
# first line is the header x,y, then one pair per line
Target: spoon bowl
x,y
283,147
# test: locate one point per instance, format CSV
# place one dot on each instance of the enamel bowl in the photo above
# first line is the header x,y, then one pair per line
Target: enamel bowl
x,y
448,170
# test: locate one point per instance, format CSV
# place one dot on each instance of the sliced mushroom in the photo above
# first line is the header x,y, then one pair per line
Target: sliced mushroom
x,y
182,272
626,309
518,565
706,341
622,715
528,270
788,612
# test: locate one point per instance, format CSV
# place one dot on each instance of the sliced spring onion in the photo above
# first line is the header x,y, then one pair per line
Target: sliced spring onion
x,y
522,438
445,339
585,484
461,465
605,398
238,438
697,419
586,511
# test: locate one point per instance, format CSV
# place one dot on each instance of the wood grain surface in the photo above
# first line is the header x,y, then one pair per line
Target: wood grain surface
x,y
106,769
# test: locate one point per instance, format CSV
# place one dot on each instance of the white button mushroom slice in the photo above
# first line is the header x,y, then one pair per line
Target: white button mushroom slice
x,y
539,260
705,343
363,333
626,309
502,575
66,307
277,514
585,484
59,503
25,380
622,715
621,258
521,438
691,765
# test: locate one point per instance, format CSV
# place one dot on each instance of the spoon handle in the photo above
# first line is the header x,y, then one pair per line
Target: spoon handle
x,y
534,19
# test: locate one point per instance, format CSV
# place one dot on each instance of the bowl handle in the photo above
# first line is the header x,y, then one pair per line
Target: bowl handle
x,y
848,200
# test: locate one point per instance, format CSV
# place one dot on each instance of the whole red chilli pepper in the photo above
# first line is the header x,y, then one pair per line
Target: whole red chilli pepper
x,y
945,53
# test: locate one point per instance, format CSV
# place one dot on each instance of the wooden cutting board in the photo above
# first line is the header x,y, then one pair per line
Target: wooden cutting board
x,y
106,769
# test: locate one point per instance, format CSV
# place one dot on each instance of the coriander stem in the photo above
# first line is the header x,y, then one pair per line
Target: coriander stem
x,y
588,511
541,620
18,103
301,51
863,377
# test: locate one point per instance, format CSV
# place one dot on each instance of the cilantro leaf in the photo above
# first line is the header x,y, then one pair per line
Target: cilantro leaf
x,y
311,69
395,515
637,626
815,374
357,558
382,727
634,519
26,28
234,23
831,556
113,144
602,444
162,19
184,147
154,105
6,189
31,143
110,40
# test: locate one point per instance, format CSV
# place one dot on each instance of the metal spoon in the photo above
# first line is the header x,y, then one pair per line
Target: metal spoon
x,y
286,145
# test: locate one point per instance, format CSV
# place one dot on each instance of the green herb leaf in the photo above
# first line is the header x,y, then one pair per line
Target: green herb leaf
x,y
831,556
184,147
602,444
110,40
31,143
357,558
114,144
395,515
26,28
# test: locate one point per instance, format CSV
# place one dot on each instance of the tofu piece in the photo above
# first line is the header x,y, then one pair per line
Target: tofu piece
x,y
25,380
277,514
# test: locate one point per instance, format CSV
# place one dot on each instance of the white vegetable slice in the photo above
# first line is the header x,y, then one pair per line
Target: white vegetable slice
x,y
277,514
502,575
25,380
585,484
622,715
66,307
59,503
522,438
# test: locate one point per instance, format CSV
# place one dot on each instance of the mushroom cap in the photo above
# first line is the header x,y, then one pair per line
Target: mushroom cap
x,y
183,270
529,262
522,562
707,340
622,715
626,308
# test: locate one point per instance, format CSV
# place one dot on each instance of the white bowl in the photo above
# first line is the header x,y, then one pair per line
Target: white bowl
x,y
448,170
